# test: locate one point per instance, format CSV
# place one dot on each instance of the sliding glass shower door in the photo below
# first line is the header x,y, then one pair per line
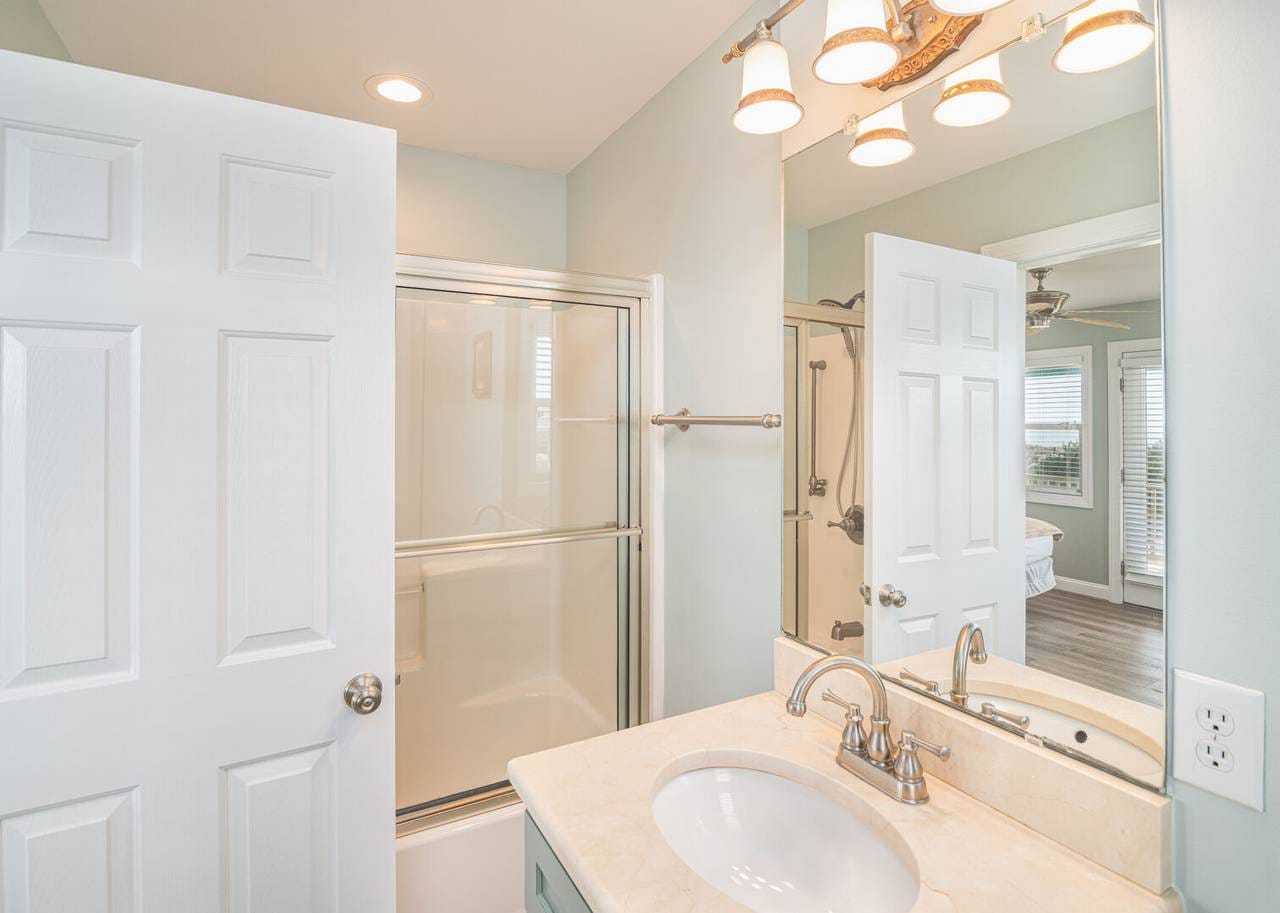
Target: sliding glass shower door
x,y
517,449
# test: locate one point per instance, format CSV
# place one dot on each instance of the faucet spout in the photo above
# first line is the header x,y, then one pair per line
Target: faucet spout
x,y
970,645
879,745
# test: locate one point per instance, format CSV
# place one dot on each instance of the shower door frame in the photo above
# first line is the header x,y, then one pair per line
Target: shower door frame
x,y
800,316
635,300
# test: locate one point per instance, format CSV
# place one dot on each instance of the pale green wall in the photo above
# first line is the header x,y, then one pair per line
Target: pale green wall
x,y
1103,170
795,261
24,27
453,206
1082,553
1221,203
676,190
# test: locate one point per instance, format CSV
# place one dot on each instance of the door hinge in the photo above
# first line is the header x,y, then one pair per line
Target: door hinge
x,y
1122,383
1121,568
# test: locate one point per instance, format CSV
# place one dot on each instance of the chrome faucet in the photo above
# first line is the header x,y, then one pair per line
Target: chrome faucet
x,y
970,645
869,754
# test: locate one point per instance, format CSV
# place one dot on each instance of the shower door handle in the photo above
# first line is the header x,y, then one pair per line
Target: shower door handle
x,y
363,693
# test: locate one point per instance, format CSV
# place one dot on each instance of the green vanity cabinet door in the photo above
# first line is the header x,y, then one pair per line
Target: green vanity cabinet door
x,y
547,886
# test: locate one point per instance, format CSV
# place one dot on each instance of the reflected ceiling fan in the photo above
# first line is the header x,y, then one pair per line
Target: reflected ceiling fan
x,y
1044,306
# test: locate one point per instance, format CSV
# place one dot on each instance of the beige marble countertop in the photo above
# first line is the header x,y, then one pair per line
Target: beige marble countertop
x,y
592,800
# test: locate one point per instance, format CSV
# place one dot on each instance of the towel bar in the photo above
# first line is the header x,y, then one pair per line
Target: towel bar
x,y
683,420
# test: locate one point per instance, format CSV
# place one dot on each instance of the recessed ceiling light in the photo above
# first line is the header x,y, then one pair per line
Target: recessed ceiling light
x,y
402,90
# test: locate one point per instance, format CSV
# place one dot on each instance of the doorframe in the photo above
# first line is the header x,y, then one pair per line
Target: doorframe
x,y
1125,229
644,302
1115,457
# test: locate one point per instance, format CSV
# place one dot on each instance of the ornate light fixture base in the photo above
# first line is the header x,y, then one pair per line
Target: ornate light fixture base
x,y
927,37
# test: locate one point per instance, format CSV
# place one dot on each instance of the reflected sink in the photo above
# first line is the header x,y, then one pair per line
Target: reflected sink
x,y
779,847
1083,737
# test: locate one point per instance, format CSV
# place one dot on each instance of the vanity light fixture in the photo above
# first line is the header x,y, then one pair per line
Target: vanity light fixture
x,y
857,46
966,7
882,139
973,95
401,90
767,104
1103,34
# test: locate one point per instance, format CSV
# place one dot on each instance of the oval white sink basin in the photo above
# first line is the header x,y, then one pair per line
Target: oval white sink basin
x,y
779,847
1084,737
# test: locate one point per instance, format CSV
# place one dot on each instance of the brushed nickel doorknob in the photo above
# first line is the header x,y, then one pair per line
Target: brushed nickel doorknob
x,y
363,693
892,596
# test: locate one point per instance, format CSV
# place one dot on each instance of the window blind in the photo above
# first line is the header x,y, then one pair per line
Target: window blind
x,y
1142,477
542,381
1054,411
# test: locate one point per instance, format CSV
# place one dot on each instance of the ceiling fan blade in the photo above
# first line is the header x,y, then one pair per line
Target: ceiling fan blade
x,y
1102,312
1031,331
1095,323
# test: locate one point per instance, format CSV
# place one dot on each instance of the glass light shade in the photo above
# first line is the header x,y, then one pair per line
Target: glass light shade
x,y
965,7
882,139
973,95
1103,34
767,105
857,46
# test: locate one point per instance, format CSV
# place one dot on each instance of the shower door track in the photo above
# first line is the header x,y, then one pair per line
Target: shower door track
x,y
429,547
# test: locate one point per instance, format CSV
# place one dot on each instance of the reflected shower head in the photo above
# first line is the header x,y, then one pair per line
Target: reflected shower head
x,y
847,305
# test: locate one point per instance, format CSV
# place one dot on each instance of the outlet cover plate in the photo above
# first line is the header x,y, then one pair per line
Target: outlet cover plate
x,y
1243,781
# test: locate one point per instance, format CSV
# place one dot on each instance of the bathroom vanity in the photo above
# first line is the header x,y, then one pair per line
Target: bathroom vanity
x,y
742,806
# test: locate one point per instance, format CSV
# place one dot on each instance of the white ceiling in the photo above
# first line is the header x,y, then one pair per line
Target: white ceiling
x,y
534,84
821,184
1122,277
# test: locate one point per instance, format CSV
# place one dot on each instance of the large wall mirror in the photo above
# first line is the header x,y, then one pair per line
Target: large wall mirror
x,y
974,474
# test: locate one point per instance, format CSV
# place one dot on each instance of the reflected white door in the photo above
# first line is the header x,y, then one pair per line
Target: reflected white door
x,y
945,527
196,317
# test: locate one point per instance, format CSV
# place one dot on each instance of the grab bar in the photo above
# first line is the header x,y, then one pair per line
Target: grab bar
x,y
683,420
817,486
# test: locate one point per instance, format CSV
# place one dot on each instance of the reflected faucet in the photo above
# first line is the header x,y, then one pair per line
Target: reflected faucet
x,y
870,756
842,629
970,645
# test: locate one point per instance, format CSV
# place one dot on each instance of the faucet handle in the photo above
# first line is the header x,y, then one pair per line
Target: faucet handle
x,y
854,738
832,698
1020,720
927,684
910,742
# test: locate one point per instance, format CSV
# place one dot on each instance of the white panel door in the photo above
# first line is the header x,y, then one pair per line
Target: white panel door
x,y
944,442
196,356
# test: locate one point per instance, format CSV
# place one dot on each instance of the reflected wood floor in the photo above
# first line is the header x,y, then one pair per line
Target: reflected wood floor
x,y
1117,648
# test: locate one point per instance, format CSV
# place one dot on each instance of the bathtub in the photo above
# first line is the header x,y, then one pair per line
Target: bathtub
x,y
471,866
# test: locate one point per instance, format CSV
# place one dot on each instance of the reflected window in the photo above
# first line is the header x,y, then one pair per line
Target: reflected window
x,y
1059,458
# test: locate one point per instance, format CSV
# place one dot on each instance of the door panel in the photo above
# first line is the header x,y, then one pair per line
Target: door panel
x,y
196,317
945,514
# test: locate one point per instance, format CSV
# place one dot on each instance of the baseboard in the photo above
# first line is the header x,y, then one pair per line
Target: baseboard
x,y
1084,587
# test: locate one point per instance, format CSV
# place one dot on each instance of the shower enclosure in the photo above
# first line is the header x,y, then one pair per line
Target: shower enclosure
x,y
517,530
823,350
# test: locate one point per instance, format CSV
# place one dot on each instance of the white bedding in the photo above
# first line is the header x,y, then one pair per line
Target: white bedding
x,y
1038,551
1038,547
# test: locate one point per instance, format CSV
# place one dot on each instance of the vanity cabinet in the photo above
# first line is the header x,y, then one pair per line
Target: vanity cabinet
x,y
547,886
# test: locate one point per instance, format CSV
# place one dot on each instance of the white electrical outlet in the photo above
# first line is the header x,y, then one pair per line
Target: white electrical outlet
x,y
1214,754
1218,737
